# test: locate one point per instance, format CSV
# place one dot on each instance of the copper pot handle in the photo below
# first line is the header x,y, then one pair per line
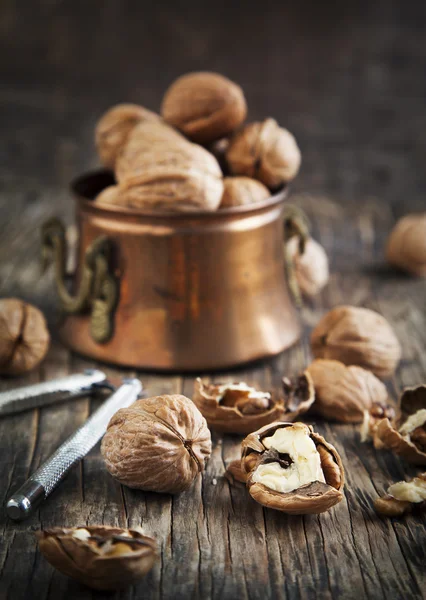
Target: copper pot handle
x,y
296,224
98,291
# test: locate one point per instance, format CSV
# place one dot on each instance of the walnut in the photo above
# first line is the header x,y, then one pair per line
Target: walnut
x,y
406,435
292,469
402,496
406,246
158,444
240,191
204,106
310,267
101,557
114,128
343,393
357,336
159,170
24,337
239,408
372,418
266,152
109,196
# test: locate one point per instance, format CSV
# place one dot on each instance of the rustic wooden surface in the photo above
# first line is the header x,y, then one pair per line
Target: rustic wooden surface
x,y
348,80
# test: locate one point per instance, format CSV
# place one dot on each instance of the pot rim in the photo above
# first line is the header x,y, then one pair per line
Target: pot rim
x,y
87,203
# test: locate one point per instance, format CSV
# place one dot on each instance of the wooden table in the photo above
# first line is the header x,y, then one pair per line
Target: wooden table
x,y
353,91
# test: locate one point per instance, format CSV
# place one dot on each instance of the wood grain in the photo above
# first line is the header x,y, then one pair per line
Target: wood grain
x,y
348,80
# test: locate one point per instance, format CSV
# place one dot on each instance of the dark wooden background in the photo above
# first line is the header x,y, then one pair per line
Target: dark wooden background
x,y
348,78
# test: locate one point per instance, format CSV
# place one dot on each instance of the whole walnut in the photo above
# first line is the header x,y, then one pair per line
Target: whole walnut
x,y
158,444
109,195
406,246
310,267
159,170
264,151
357,336
240,191
204,106
344,393
114,127
24,337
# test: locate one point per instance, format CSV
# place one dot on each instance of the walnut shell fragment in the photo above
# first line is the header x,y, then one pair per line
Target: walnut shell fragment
x,y
239,408
101,557
402,497
115,126
241,191
292,469
204,106
264,151
406,435
234,472
406,246
157,444
344,393
310,267
357,336
24,337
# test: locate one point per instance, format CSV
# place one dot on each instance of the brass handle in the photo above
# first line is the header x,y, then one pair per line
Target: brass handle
x,y
296,224
98,292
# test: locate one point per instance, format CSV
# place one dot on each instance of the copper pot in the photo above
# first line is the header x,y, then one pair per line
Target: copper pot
x,y
186,291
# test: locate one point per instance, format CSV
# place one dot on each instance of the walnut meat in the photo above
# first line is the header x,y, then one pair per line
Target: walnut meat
x,y
402,496
239,408
357,336
204,106
406,246
310,267
292,469
158,444
265,152
241,191
114,128
101,557
344,393
406,435
24,337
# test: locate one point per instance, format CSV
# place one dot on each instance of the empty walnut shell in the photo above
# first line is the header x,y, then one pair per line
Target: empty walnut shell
x,y
239,408
310,267
240,191
24,337
101,557
406,435
406,246
114,128
204,106
344,393
308,462
158,444
357,336
265,152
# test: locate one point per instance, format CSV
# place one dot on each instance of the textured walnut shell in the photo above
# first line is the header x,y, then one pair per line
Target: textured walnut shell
x,y
296,399
406,246
159,170
115,126
310,267
158,444
109,196
412,400
344,393
265,152
313,498
110,559
241,191
24,337
357,336
204,106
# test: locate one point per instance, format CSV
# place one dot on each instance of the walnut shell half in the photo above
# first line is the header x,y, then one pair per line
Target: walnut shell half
x,y
344,393
239,408
292,469
406,435
402,497
101,557
157,444
357,336
24,337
